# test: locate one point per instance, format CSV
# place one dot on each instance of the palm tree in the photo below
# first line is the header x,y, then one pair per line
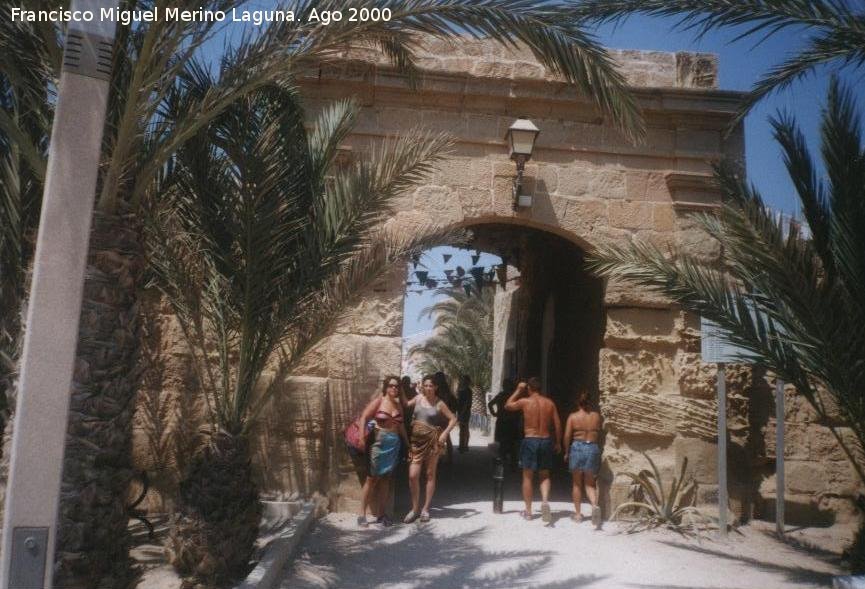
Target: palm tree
x,y
149,59
25,119
793,300
836,30
462,342
259,242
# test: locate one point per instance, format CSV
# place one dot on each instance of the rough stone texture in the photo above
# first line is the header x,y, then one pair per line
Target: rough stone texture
x,y
591,187
819,475
483,59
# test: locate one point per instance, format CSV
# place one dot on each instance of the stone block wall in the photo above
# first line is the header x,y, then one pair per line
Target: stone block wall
x,y
591,187
297,444
821,482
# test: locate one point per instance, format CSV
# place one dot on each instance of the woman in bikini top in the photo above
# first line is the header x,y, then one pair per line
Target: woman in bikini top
x,y
384,452
387,420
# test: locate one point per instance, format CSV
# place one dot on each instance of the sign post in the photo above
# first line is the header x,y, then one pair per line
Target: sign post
x,y
714,348
780,487
722,449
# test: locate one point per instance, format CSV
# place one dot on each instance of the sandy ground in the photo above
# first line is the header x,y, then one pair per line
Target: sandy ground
x,y
466,545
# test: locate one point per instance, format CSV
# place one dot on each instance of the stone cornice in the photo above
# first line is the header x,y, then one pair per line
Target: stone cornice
x,y
693,192
373,82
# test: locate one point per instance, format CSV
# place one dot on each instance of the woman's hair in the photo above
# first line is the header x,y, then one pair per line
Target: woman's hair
x,y
386,380
584,401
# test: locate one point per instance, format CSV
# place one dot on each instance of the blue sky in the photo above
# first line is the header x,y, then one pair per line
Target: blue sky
x,y
741,64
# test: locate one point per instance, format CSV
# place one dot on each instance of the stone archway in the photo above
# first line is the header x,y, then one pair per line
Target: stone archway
x,y
591,187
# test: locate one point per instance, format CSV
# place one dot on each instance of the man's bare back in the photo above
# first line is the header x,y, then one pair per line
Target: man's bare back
x,y
540,417
539,444
537,416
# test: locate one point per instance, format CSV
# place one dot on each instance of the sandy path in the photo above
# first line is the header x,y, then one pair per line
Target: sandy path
x,y
466,545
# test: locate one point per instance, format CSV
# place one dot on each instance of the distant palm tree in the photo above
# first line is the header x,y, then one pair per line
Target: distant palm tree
x,y
259,243
149,60
462,342
794,300
835,28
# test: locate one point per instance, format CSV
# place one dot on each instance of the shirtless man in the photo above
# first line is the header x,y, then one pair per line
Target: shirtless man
x,y
542,433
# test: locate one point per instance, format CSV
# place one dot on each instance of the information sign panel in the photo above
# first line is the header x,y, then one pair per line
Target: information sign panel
x,y
714,346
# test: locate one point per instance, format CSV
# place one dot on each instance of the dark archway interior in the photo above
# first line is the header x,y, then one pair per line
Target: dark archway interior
x,y
556,315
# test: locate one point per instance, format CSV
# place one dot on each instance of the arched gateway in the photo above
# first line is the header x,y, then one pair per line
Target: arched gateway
x,y
590,187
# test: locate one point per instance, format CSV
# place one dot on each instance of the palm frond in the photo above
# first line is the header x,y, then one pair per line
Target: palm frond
x,y
462,342
837,32
794,303
259,240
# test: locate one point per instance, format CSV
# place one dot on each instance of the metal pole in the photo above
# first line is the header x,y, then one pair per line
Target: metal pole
x,y
780,487
722,450
498,483
30,523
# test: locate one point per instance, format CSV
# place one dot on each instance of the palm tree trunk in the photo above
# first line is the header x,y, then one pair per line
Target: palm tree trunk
x,y
93,541
217,516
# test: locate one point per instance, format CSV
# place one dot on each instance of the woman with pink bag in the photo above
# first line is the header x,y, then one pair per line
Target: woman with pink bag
x,y
388,433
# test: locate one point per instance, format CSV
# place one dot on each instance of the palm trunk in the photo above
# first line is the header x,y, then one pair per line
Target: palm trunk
x,y
217,516
93,541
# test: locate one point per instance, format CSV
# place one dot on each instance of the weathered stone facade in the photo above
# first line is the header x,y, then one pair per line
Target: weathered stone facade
x,y
591,187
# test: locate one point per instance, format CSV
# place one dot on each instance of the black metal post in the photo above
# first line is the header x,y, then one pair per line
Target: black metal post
x,y
518,181
498,484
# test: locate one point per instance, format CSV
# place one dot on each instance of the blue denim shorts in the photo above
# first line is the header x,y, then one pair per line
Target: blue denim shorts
x,y
536,453
584,457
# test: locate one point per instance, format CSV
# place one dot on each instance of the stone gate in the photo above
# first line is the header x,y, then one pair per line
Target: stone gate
x,y
635,350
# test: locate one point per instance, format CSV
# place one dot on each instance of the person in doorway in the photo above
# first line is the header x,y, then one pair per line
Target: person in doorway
x,y
542,430
507,432
464,410
583,455
427,444
389,430
408,391
449,399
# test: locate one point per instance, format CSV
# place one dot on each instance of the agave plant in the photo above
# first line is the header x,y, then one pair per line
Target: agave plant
x,y
657,508
463,338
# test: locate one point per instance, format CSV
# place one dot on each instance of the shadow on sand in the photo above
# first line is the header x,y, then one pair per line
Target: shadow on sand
x,y
394,557
792,574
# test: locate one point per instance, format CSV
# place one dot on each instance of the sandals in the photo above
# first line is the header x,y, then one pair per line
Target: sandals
x,y
424,517
526,515
362,521
546,515
410,517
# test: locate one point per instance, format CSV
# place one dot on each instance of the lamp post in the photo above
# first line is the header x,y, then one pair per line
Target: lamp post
x,y
54,308
521,142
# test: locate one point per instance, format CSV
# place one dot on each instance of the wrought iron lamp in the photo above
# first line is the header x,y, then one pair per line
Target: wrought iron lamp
x,y
521,142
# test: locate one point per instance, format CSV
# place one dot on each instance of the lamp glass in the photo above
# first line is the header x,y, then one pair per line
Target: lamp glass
x,y
521,138
522,142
